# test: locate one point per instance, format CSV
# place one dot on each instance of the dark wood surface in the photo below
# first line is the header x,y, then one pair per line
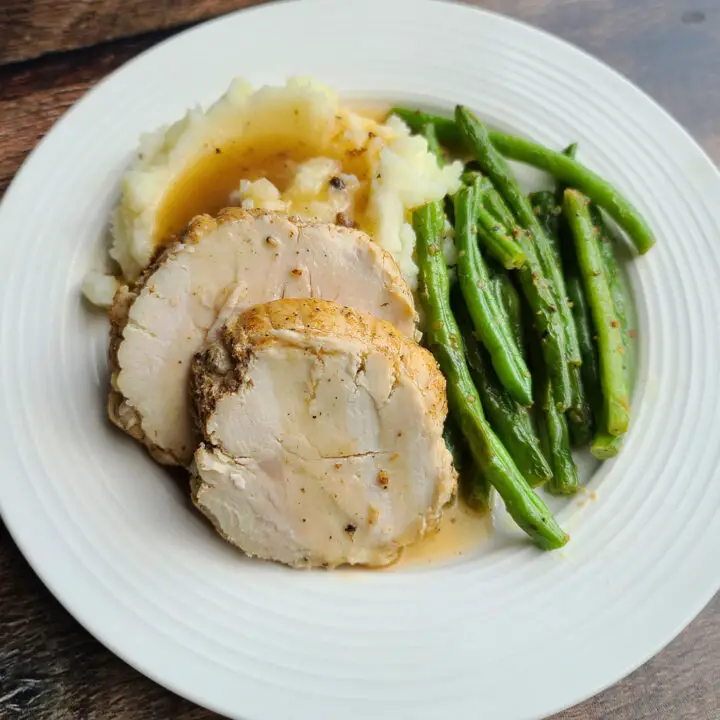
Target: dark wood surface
x,y
31,28
50,668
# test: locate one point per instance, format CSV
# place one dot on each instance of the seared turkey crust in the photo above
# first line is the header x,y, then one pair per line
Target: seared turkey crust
x,y
379,494
393,301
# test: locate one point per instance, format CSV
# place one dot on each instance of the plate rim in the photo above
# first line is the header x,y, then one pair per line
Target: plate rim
x,y
18,534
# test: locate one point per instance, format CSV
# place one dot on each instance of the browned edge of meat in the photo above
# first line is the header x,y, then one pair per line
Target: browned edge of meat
x,y
222,367
121,412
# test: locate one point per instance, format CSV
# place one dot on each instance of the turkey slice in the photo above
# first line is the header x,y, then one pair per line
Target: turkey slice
x,y
322,435
219,267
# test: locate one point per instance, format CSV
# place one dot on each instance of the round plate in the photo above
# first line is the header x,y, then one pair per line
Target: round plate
x,y
506,632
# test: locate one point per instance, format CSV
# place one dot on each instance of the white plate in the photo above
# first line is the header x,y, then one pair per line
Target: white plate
x,y
511,633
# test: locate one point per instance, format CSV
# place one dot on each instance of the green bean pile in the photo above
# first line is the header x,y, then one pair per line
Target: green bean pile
x,y
533,336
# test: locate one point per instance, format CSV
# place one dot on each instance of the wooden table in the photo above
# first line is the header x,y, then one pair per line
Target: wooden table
x,y
51,52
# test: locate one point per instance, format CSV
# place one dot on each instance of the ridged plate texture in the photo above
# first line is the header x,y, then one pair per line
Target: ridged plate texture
x,y
506,632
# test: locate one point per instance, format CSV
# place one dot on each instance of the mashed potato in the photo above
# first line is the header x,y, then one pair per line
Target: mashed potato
x,y
292,149
99,288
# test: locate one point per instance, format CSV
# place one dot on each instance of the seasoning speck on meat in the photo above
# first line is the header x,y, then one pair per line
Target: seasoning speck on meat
x,y
284,489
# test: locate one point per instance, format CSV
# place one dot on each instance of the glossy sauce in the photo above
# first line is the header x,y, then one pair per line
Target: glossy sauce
x,y
206,185
461,531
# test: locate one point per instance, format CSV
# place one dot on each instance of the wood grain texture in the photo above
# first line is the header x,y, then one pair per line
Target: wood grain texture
x,y
31,28
34,95
50,668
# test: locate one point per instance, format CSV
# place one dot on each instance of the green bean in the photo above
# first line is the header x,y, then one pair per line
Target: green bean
x,y
509,302
586,332
447,130
455,443
610,262
497,170
575,175
616,411
475,492
547,212
430,134
510,420
536,287
579,414
490,198
604,445
581,419
581,423
444,338
560,166
560,187
553,432
471,176
473,278
474,488
498,241
492,202
581,427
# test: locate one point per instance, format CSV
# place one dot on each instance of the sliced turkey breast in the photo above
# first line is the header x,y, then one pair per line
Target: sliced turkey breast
x,y
322,435
219,267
